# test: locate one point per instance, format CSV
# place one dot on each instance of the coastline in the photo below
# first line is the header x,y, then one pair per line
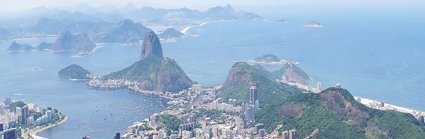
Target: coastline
x,y
384,106
186,29
32,134
374,104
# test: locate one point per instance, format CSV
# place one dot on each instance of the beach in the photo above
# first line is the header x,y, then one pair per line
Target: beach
x,y
32,133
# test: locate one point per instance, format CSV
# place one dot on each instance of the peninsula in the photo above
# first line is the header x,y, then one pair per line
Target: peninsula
x,y
152,72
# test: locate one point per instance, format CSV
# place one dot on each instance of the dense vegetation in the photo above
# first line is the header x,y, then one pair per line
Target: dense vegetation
x,y
74,71
337,115
162,74
170,122
292,73
242,75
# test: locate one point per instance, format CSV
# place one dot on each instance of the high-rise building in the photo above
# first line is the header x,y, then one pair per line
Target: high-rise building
x,y
18,111
261,133
49,115
117,135
8,101
249,113
285,135
24,115
10,134
292,134
252,94
319,87
421,119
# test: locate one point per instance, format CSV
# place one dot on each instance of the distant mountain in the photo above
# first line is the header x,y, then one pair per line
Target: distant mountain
x,y
19,47
74,72
242,75
73,42
56,26
268,58
4,34
219,12
184,16
292,73
170,33
335,114
153,72
228,13
127,32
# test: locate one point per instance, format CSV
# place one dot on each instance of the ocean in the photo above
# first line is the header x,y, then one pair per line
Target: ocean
x,y
376,57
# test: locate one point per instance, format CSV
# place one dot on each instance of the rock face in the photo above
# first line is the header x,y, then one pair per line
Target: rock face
x,y
70,42
151,46
19,47
268,58
170,34
154,72
242,75
74,72
126,32
292,73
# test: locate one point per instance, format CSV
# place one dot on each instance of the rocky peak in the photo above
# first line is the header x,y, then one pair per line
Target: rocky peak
x,y
151,46
292,73
73,42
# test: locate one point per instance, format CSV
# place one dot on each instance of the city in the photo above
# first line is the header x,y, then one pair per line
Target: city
x,y
19,119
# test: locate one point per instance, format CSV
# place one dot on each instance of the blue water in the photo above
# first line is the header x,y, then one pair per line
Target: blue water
x,y
97,113
381,58
377,57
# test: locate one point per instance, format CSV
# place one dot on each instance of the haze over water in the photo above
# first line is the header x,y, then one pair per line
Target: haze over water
x,y
378,56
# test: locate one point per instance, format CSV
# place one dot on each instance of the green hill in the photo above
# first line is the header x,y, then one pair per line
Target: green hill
x,y
74,71
241,75
337,115
292,73
155,74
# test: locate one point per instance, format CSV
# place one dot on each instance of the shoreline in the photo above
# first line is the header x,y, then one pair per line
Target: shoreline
x,y
385,106
32,134
374,104
187,28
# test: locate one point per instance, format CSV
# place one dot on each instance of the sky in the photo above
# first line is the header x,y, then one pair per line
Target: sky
x,y
22,5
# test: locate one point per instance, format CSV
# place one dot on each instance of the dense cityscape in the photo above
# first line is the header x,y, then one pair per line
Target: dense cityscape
x,y
21,119
199,113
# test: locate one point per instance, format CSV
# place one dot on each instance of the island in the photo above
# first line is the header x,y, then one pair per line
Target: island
x,y
74,72
152,72
267,59
313,25
79,43
20,119
170,35
14,47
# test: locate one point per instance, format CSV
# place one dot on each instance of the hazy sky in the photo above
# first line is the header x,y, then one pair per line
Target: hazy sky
x,y
19,5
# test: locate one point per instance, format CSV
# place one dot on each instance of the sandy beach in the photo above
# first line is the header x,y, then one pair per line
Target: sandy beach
x,y
384,106
32,134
